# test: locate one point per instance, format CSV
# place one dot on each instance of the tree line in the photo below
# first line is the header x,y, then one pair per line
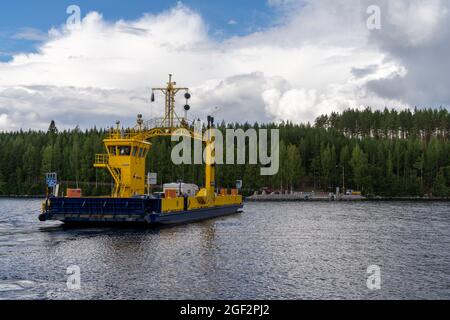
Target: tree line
x,y
387,153
389,123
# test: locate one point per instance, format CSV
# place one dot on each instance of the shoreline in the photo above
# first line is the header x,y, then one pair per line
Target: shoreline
x,y
288,198
23,197
281,198
360,200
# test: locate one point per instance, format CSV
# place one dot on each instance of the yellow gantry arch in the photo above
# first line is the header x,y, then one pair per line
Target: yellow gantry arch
x,y
127,149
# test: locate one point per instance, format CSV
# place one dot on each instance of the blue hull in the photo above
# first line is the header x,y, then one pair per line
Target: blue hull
x,y
195,215
126,211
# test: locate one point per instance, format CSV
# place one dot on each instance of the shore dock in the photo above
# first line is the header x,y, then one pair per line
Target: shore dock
x,y
304,196
318,196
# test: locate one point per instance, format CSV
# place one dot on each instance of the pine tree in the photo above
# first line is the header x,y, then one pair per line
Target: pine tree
x,y
358,163
47,162
2,184
440,188
293,166
52,129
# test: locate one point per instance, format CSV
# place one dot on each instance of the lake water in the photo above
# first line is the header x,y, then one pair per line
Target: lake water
x,y
271,251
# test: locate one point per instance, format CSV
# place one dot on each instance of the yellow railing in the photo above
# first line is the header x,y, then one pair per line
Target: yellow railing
x,y
167,123
101,159
122,134
157,126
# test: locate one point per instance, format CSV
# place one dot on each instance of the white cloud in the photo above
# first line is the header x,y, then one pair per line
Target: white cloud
x,y
416,22
320,59
34,106
4,123
416,36
31,34
280,3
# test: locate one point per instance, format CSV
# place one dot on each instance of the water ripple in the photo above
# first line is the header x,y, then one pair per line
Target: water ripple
x,y
271,251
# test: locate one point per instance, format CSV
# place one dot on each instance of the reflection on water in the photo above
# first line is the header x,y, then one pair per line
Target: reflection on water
x,y
272,250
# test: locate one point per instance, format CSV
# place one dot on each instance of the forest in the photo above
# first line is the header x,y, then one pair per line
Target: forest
x,y
386,153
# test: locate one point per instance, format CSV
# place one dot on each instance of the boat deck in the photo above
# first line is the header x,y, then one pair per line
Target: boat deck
x,y
126,210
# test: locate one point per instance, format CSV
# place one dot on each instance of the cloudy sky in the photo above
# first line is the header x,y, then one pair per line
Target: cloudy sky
x,y
244,61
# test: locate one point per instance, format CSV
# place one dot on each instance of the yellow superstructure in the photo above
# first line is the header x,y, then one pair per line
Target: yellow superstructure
x,y
125,161
127,151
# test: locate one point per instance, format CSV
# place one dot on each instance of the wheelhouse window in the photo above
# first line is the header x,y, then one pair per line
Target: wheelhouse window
x,y
124,151
112,150
140,152
135,150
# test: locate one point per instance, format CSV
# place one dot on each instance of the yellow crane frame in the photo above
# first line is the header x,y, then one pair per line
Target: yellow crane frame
x,y
127,151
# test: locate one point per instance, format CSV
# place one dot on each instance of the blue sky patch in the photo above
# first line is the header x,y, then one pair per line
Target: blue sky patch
x,y
24,23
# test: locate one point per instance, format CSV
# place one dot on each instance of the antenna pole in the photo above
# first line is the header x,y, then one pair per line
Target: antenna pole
x,y
170,93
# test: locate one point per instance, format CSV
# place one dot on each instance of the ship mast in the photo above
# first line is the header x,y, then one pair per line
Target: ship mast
x,y
171,118
127,152
210,167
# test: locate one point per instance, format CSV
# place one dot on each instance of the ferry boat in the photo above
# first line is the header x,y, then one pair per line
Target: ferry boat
x,y
125,160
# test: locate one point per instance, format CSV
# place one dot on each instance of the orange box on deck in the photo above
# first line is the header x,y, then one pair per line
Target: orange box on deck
x,y
223,192
170,193
74,193
234,192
